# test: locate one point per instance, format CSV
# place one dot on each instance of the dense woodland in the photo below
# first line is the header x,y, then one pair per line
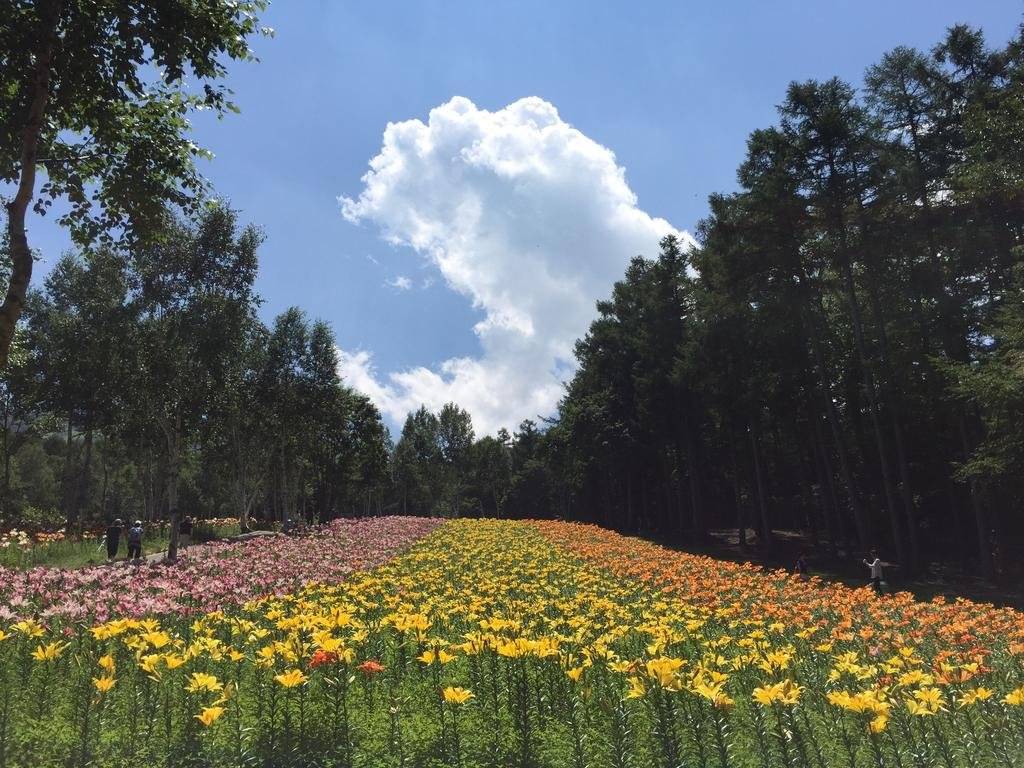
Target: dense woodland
x,y
843,355
144,382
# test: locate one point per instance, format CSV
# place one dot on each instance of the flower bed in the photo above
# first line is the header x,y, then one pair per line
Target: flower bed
x,y
498,643
209,577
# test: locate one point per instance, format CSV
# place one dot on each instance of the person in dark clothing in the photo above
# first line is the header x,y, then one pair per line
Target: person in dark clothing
x,y
801,567
135,541
113,539
185,532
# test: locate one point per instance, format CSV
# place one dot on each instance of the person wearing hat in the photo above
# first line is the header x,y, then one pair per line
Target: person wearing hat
x,y
113,539
135,541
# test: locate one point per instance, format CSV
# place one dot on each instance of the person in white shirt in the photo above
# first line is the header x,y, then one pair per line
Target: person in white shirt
x,y
875,564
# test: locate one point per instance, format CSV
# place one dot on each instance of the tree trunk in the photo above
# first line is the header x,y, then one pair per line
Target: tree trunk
x,y
241,499
106,483
868,382
644,500
698,521
241,480
894,396
20,252
148,487
84,477
629,499
839,231
69,484
853,497
173,476
668,485
287,494
981,523
810,517
829,503
954,493
7,466
762,505
741,517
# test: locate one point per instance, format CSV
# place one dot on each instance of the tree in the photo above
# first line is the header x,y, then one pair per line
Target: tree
x,y
328,410
285,393
418,463
530,487
22,412
995,386
237,440
97,94
83,317
194,300
363,459
491,474
455,439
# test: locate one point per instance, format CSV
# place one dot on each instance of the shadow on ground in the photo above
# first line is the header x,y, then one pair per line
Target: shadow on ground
x,y
950,580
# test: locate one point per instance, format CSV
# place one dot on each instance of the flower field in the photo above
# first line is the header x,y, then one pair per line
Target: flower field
x,y
207,578
401,642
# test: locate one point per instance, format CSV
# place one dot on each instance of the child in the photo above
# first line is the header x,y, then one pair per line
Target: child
x,y
113,539
875,564
185,532
135,541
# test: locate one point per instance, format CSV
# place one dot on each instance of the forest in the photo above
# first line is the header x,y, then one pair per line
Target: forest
x,y
842,355
143,383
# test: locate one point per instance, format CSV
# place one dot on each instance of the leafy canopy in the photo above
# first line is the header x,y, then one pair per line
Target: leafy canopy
x,y
124,77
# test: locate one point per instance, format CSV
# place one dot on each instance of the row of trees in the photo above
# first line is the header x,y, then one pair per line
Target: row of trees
x,y
843,355
144,383
438,468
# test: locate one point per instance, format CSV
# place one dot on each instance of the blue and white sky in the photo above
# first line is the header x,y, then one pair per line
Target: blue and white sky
x,y
452,184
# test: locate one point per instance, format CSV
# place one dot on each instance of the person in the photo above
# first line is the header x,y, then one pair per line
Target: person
x,y
801,567
135,541
185,532
113,539
875,564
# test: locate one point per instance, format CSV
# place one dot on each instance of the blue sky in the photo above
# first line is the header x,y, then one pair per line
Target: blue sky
x,y
671,88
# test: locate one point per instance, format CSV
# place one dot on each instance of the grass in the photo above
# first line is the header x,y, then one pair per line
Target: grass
x,y
91,550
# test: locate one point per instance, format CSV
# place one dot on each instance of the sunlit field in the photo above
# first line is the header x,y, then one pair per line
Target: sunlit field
x,y
22,549
496,643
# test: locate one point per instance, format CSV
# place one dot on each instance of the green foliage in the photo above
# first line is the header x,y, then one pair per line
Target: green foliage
x,y
144,382
994,385
123,78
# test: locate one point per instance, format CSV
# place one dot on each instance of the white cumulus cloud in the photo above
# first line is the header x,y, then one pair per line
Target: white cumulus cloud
x,y
524,215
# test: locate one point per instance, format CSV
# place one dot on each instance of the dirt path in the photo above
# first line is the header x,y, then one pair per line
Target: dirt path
x,y
159,557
